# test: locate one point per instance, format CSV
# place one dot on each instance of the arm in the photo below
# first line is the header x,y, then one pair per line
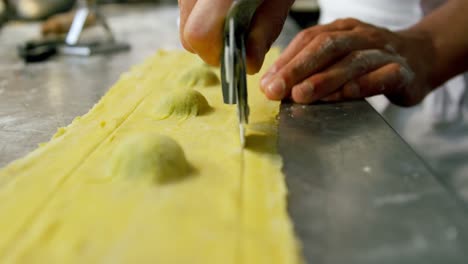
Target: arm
x,y
447,28
349,59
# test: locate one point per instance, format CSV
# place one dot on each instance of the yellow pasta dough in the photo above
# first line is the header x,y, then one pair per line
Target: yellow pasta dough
x,y
153,174
148,156
199,75
182,103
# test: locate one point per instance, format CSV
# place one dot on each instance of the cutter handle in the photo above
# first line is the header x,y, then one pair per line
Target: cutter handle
x,y
242,11
236,30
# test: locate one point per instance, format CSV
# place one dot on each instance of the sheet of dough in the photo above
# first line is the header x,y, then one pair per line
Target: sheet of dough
x,y
60,204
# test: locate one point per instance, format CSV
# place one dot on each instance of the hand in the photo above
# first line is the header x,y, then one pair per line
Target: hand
x,y
347,60
202,21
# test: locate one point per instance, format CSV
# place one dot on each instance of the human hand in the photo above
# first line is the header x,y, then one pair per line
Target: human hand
x,y
202,22
349,59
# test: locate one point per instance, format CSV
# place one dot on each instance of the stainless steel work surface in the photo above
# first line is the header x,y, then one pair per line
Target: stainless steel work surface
x,y
357,192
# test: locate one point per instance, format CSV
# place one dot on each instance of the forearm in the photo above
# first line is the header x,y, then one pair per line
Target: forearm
x,y
447,28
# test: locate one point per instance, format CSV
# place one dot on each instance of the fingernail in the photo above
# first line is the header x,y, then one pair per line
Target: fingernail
x,y
277,88
265,79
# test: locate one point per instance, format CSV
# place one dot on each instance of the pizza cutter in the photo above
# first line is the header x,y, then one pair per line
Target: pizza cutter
x,y
233,59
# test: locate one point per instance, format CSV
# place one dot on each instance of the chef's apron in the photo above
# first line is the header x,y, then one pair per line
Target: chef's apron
x,y
438,127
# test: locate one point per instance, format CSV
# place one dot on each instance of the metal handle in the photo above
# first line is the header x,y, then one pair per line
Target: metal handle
x,y
242,11
78,24
236,30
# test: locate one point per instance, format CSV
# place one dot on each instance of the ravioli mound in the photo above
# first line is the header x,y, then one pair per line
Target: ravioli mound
x,y
199,76
149,156
182,103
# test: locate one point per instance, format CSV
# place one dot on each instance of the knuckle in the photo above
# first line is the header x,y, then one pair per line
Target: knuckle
x,y
346,22
369,57
195,35
323,37
328,42
301,65
298,70
320,83
302,36
301,39
334,44
362,29
305,35
358,56
371,32
197,41
359,61
352,21
376,36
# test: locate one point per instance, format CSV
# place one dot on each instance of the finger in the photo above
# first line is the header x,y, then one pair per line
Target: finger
x,y
264,29
204,27
300,41
303,39
350,91
351,67
324,49
334,97
297,44
387,79
185,7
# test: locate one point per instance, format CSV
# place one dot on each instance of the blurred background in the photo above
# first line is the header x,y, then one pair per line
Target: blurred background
x,y
304,11
51,19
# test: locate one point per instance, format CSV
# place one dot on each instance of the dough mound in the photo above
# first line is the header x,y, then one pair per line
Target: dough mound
x,y
199,76
182,103
149,156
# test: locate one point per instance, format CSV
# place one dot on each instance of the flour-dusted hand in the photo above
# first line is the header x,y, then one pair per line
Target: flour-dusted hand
x,y
202,21
349,59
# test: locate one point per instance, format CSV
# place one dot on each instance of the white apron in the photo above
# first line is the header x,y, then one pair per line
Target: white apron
x,y
438,127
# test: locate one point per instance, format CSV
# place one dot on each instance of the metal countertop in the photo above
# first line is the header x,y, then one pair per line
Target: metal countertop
x,y
357,192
